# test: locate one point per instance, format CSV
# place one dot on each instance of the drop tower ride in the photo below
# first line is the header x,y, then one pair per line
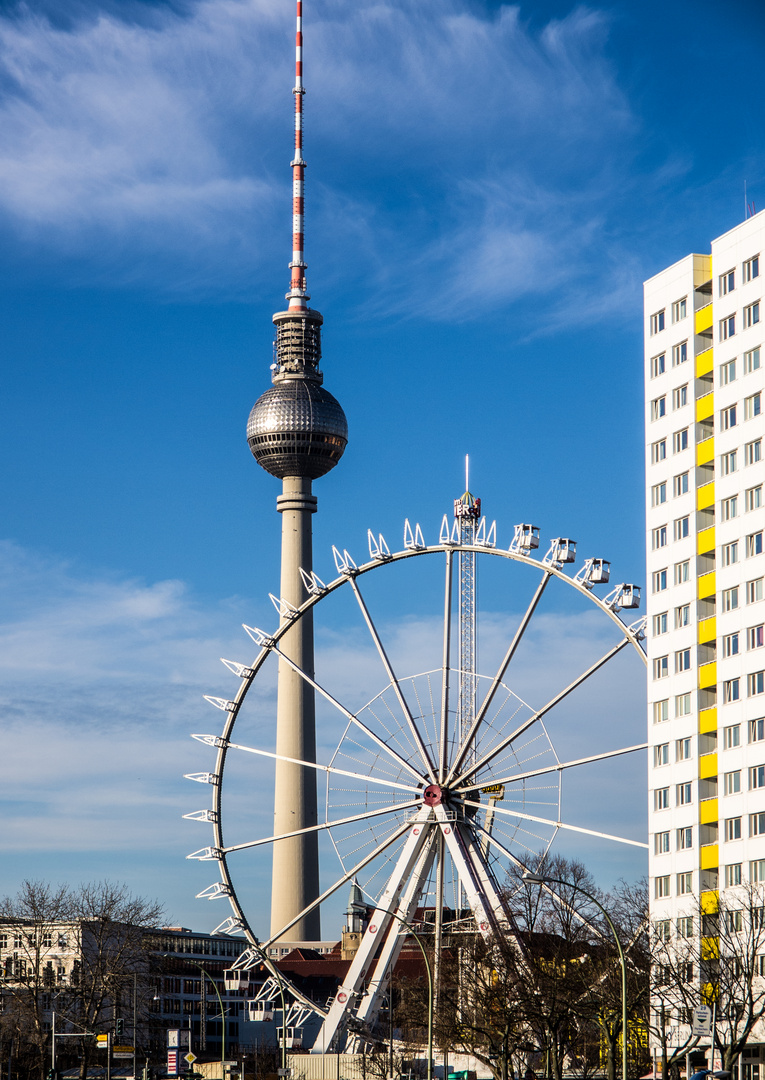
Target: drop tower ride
x,y
297,431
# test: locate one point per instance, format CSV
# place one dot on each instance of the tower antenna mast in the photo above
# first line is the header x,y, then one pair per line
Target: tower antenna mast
x,y
297,431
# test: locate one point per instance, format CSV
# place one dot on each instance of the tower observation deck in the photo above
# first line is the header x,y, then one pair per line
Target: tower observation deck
x,y
297,431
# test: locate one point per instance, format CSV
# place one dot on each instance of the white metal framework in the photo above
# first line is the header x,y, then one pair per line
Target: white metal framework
x,y
429,801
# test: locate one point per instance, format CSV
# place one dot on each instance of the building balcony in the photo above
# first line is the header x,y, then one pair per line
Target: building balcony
x,y
705,540
706,584
707,720
705,495
705,407
703,319
707,767
704,362
707,630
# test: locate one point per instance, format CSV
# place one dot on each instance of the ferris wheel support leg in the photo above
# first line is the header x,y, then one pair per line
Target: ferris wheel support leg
x,y
394,940
419,837
475,877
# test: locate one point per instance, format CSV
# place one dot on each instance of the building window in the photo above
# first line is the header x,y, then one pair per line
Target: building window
x,y
728,463
661,841
750,269
660,623
682,571
754,591
679,353
733,828
680,396
752,406
658,407
682,749
756,824
729,553
680,484
682,528
729,599
685,926
661,755
683,705
729,508
658,451
661,711
727,418
727,372
751,360
754,544
662,927
751,314
657,322
732,782
662,886
657,365
661,667
756,777
659,537
683,794
659,580
755,637
661,798
757,730
658,494
755,683
753,452
730,645
727,327
753,498
732,736
757,870
680,441
732,875
679,309
682,616
727,282
684,838
683,660
731,691
684,884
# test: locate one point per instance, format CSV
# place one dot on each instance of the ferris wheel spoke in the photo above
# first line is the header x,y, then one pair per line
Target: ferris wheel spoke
x,y
496,681
558,824
350,716
509,739
443,742
414,731
325,768
383,845
393,809
556,767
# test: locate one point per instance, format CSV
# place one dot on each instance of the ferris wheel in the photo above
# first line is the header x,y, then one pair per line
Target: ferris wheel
x,y
440,774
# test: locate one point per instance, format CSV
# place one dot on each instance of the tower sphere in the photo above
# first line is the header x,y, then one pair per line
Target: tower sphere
x,y
297,428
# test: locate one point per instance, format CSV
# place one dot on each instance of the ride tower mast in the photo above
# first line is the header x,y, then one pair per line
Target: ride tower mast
x,y
297,431
467,511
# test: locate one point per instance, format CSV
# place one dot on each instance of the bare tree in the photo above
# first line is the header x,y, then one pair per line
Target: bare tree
x,y
81,953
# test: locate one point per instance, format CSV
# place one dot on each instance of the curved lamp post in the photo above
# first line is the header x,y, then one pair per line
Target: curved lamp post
x,y
429,971
220,1002
538,879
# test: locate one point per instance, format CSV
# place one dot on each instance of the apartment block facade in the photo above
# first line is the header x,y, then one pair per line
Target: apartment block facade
x,y
705,425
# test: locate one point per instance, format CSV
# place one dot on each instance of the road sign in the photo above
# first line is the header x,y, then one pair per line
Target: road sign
x,y
172,1062
102,1040
191,1058
702,1020
123,1050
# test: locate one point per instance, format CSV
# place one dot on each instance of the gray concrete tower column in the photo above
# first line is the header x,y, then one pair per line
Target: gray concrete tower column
x,y
296,860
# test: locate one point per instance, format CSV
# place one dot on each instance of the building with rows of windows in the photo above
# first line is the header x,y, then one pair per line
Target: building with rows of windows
x,y
704,423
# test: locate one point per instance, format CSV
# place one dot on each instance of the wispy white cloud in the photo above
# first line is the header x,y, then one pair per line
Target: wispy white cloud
x,y
457,155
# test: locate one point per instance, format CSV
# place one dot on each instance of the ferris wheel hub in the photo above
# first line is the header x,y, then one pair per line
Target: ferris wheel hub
x,y
433,795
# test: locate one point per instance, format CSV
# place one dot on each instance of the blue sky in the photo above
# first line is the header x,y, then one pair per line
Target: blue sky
x,y
488,186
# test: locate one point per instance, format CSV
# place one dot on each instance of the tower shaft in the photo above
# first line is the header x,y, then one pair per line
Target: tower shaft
x,y
295,881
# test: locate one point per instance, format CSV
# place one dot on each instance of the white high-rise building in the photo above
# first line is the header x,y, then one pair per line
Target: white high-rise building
x,y
704,423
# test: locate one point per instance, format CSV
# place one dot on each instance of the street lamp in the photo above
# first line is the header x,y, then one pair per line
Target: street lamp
x,y
220,1002
429,971
537,879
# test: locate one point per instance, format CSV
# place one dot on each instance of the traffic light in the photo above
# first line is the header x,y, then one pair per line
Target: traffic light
x,y
119,1027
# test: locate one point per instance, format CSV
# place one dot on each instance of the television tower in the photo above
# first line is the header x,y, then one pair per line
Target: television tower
x,y
297,431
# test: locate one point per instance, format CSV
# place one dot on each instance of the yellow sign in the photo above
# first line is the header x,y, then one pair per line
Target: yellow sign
x,y
102,1039
494,789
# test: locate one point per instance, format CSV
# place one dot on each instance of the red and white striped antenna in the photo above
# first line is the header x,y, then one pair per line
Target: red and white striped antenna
x,y
298,295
